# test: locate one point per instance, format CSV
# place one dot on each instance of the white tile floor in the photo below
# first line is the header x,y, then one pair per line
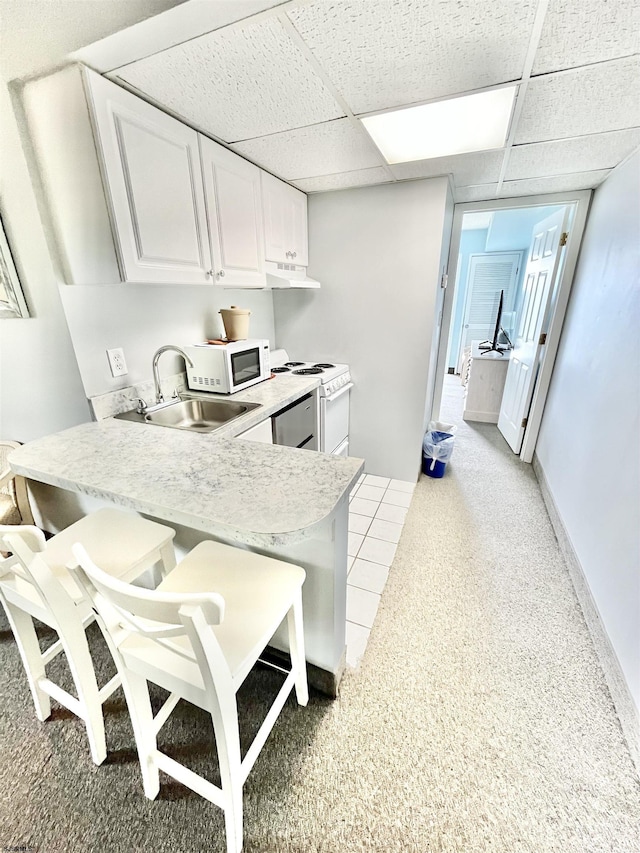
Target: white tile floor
x,y
377,510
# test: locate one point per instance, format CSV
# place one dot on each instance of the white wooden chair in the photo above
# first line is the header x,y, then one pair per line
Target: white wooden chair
x,y
35,583
198,635
14,499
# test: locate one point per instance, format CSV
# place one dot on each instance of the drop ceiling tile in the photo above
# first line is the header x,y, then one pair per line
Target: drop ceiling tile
x,y
555,184
479,193
324,149
236,83
385,53
479,167
343,180
589,31
583,154
595,99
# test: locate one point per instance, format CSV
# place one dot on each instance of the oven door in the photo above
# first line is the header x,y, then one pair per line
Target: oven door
x,y
334,420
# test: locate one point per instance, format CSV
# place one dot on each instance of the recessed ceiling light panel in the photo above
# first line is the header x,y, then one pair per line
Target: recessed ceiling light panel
x,y
456,126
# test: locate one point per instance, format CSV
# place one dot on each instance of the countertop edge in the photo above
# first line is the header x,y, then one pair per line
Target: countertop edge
x,y
162,511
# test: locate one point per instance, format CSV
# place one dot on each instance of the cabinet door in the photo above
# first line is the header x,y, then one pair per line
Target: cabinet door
x,y
234,214
285,222
276,219
153,182
298,228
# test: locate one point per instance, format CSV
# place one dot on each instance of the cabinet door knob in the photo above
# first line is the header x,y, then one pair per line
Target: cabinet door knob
x,y
221,274
210,273
294,254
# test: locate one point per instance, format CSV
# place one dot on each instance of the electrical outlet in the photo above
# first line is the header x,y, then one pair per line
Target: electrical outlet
x,y
116,362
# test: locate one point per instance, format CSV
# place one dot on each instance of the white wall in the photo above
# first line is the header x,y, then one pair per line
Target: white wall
x,y
589,447
140,318
40,387
376,251
511,229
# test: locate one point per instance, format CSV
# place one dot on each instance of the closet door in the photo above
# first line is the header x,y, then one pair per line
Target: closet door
x,y
489,273
234,214
153,182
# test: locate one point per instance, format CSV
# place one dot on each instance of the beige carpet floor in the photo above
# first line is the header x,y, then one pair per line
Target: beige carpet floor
x,y
478,721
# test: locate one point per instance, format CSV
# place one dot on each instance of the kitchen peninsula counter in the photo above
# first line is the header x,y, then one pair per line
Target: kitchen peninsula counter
x,y
281,501
259,494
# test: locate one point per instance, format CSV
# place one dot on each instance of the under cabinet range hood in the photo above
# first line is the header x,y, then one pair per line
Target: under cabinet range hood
x,y
280,276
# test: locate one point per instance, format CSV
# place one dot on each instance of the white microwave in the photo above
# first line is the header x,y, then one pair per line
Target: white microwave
x,y
227,368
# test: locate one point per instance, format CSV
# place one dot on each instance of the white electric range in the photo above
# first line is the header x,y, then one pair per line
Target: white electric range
x,y
333,397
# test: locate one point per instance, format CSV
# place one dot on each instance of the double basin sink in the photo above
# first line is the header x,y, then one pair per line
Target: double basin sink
x,y
192,414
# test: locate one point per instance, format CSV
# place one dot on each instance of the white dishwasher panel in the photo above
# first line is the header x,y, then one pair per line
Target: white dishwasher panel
x,y
260,432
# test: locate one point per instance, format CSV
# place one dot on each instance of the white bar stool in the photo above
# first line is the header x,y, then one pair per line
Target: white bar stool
x,y
198,635
35,583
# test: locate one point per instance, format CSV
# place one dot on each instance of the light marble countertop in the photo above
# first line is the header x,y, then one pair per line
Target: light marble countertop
x,y
272,395
255,493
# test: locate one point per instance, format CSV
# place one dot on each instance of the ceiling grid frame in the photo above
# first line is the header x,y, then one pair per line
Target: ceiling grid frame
x,y
295,36
534,41
256,17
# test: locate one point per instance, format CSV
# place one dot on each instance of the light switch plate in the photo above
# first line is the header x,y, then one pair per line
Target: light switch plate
x,y
117,362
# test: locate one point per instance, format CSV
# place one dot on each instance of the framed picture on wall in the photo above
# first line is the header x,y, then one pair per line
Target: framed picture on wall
x,y
12,301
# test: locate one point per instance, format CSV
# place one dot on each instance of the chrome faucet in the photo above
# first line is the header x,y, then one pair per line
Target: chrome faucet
x,y
156,376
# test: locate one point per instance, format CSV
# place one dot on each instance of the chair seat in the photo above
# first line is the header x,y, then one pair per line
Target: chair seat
x,y
121,541
257,591
118,541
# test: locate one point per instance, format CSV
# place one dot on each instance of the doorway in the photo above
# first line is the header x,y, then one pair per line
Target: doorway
x,y
491,263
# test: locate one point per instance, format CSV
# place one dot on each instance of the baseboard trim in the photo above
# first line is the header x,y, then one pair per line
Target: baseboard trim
x,y
483,417
614,676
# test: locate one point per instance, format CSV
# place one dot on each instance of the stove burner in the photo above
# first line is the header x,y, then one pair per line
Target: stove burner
x,y
293,363
306,371
325,366
280,369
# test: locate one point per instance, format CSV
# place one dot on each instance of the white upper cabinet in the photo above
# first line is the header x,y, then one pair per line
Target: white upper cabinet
x,y
153,182
135,195
234,213
285,222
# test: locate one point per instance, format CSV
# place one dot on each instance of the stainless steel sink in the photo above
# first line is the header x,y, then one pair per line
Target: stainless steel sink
x,y
193,414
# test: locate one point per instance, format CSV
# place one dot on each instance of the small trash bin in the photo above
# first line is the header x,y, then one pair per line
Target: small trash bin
x,y
437,448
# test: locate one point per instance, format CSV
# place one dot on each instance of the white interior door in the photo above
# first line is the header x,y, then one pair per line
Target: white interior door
x,y
540,273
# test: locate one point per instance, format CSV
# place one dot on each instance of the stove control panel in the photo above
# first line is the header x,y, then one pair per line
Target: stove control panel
x,y
336,384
